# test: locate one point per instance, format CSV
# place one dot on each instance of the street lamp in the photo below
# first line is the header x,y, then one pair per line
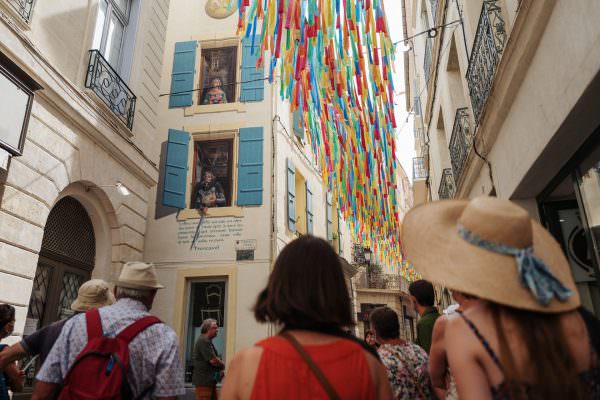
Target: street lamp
x,y
367,252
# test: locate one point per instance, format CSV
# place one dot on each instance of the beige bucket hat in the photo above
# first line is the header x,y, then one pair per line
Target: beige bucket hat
x,y
492,249
94,293
138,275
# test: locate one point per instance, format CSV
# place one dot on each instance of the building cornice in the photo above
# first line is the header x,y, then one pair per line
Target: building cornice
x,y
75,105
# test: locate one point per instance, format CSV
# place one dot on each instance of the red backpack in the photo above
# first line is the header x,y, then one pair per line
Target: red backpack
x,y
100,370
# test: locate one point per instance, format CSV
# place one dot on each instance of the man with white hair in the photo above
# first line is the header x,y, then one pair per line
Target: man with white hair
x,y
152,364
208,366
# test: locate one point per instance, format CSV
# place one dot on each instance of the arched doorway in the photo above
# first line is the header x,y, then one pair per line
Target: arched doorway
x,y
66,261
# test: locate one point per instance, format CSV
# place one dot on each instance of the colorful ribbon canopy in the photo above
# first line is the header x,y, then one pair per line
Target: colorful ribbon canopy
x,y
335,62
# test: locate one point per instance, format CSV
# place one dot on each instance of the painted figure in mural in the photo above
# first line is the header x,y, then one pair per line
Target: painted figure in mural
x,y
216,94
220,9
209,193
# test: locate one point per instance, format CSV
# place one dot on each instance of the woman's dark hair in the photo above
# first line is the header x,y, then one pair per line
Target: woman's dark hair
x,y
554,374
367,333
422,290
306,288
7,314
386,324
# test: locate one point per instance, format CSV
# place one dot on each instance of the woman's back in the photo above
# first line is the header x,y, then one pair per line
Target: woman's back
x,y
274,369
475,337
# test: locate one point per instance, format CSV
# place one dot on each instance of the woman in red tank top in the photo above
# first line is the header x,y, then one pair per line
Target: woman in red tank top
x,y
307,296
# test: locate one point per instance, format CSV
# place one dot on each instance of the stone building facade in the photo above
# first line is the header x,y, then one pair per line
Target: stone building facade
x,y
503,93
74,184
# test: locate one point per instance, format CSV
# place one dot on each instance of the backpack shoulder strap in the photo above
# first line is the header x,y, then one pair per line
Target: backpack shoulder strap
x,y
93,323
134,329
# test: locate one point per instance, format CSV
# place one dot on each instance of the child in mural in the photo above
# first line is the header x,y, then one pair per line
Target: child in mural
x,y
215,94
209,192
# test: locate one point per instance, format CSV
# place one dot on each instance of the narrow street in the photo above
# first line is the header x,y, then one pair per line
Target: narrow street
x,y
447,151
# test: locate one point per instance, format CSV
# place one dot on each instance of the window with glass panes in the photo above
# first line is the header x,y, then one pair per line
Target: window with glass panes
x,y
109,32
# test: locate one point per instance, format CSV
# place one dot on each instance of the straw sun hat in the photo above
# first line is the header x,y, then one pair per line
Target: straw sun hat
x,y
92,294
492,249
138,275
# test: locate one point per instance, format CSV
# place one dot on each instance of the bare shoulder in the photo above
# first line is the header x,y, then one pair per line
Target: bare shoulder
x,y
241,372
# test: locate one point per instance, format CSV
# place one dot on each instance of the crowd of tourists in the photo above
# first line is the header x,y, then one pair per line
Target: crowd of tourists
x,y
518,330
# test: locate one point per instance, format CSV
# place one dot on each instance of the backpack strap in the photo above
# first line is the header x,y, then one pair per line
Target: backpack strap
x,y
93,324
134,329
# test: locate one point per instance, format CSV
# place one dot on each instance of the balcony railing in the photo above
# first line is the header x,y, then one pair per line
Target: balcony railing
x,y
419,135
23,7
419,168
378,280
460,141
103,80
447,188
428,58
490,40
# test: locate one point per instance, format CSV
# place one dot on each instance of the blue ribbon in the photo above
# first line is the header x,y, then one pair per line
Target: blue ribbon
x,y
533,272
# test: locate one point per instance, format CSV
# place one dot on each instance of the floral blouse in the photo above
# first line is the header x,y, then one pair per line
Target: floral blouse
x,y
406,366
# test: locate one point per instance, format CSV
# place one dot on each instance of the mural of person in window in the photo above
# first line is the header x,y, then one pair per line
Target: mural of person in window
x,y
215,94
209,192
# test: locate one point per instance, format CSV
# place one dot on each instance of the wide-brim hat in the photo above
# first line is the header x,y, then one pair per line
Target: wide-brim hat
x,y
94,293
138,275
448,242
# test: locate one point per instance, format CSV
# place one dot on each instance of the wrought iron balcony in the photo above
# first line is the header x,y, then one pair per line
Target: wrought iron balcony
x,y
378,280
23,7
460,141
428,58
419,168
419,135
447,188
103,80
490,40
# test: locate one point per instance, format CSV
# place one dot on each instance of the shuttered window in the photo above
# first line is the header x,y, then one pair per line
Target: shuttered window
x,y
329,215
291,201
175,173
182,78
309,209
250,167
253,84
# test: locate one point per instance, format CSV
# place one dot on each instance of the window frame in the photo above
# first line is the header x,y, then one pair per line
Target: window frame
x,y
230,168
197,107
206,135
111,9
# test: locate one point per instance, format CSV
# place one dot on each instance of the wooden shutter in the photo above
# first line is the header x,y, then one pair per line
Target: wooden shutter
x,y
329,214
309,209
291,203
175,173
182,78
253,85
250,167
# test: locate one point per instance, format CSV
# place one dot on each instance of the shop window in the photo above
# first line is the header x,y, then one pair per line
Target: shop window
x,y
206,299
212,174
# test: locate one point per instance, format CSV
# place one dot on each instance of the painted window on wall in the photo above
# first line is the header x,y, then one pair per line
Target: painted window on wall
x,y
218,75
213,181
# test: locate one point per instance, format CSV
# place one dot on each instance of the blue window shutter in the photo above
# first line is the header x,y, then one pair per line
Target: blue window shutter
x,y
182,79
253,84
298,124
309,209
175,173
329,214
250,167
291,203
